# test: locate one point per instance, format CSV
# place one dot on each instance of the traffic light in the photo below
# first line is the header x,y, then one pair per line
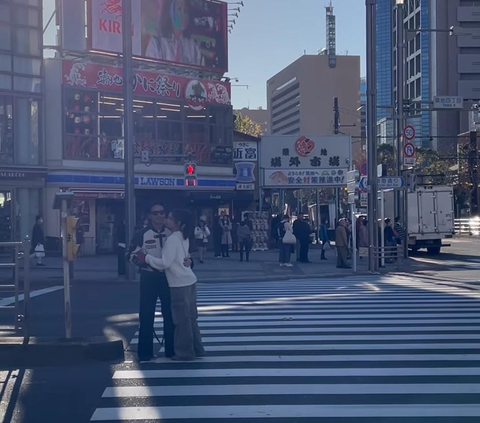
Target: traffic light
x,y
72,246
190,171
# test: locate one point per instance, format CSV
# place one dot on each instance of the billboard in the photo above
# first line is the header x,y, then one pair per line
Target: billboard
x,y
196,92
308,162
183,32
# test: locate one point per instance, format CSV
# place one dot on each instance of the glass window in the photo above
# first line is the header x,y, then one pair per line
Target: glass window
x,y
27,131
6,130
4,13
221,125
144,119
81,117
24,83
5,63
27,65
5,39
170,111
27,41
196,126
169,121
5,82
27,16
27,208
29,2
111,116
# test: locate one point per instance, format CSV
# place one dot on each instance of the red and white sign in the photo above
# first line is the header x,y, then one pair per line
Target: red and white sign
x,y
304,146
409,155
409,150
409,133
197,93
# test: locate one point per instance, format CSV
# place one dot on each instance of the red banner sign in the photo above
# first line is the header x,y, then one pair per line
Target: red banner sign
x,y
197,92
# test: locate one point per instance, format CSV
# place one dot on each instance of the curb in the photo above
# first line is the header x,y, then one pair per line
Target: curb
x,y
58,352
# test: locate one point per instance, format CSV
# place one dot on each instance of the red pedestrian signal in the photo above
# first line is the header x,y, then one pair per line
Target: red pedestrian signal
x,y
190,171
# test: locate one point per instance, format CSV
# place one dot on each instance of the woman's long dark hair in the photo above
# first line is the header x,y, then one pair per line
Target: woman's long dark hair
x,y
185,221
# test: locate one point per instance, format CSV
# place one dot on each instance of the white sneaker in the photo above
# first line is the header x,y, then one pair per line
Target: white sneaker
x,y
282,264
289,264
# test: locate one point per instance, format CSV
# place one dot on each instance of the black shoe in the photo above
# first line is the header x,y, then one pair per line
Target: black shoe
x,y
323,258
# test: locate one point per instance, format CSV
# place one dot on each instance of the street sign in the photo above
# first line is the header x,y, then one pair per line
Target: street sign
x,y
409,133
388,182
409,155
364,169
363,184
393,182
447,102
363,199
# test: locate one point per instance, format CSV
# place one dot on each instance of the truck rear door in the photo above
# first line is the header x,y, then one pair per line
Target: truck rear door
x,y
427,212
445,218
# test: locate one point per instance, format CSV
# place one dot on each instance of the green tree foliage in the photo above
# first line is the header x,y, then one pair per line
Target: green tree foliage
x,y
386,156
246,125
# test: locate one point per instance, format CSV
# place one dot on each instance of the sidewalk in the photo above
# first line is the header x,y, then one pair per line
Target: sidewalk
x,y
263,265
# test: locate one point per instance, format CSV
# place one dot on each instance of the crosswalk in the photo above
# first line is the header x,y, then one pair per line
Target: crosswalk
x,y
356,350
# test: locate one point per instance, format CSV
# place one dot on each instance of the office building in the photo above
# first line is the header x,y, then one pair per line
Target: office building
x,y
300,97
22,171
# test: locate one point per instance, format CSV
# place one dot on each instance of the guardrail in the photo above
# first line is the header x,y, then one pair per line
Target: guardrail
x,y
389,255
468,226
21,253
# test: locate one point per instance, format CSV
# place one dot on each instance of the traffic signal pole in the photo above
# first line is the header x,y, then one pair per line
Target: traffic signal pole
x,y
400,120
128,129
372,131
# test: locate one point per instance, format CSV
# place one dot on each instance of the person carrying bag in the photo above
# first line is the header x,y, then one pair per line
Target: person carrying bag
x,y
287,240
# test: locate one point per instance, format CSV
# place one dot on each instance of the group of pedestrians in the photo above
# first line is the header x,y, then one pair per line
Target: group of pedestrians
x,y
161,251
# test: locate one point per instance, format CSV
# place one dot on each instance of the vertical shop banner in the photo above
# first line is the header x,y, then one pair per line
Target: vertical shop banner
x,y
292,161
245,157
184,32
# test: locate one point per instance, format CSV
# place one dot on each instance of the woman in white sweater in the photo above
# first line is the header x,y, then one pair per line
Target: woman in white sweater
x,y
182,283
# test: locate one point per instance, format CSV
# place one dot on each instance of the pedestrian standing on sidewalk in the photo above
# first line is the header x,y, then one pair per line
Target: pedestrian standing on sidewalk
x,y
201,238
341,244
323,235
363,239
226,225
38,240
183,287
301,230
153,285
233,232
287,240
245,239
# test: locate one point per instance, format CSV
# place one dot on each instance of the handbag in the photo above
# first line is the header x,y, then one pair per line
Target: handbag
x,y
39,251
289,238
326,246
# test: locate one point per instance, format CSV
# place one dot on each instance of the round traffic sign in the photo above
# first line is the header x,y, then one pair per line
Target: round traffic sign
x,y
363,169
409,150
409,132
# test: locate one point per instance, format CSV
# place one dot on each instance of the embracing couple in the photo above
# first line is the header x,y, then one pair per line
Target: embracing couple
x,y
161,250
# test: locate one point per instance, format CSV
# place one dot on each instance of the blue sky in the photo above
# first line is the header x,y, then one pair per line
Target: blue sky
x,y
270,34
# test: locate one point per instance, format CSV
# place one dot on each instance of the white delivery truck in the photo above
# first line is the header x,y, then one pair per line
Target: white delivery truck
x,y
430,217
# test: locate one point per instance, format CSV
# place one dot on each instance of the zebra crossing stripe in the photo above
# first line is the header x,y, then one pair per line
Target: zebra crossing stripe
x,y
291,389
300,372
286,411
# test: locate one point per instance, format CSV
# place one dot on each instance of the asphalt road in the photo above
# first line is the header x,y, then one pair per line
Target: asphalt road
x,y
358,349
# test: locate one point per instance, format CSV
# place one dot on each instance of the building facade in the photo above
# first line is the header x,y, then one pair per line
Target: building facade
x,y
300,98
182,113
22,170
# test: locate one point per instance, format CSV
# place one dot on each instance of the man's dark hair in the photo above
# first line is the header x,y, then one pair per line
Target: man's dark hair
x,y
397,219
156,203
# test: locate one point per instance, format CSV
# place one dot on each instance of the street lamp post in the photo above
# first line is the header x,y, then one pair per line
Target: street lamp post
x,y
128,128
372,130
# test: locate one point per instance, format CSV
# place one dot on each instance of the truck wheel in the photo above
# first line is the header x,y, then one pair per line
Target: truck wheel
x,y
434,250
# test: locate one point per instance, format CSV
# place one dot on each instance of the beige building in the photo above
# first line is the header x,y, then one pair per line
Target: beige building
x,y
259,116
300,98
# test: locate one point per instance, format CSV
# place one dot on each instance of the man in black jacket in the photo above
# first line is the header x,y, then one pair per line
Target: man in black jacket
x,y
153,285
301,230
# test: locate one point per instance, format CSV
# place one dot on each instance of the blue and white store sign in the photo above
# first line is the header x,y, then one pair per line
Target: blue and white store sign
x,y
245,157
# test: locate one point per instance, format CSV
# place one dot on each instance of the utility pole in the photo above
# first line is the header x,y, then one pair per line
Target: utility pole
x,y
128,128
371,6
472,164
336,116
400,99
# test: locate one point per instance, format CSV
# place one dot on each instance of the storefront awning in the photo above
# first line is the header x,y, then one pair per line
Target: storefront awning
x,y
98,194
